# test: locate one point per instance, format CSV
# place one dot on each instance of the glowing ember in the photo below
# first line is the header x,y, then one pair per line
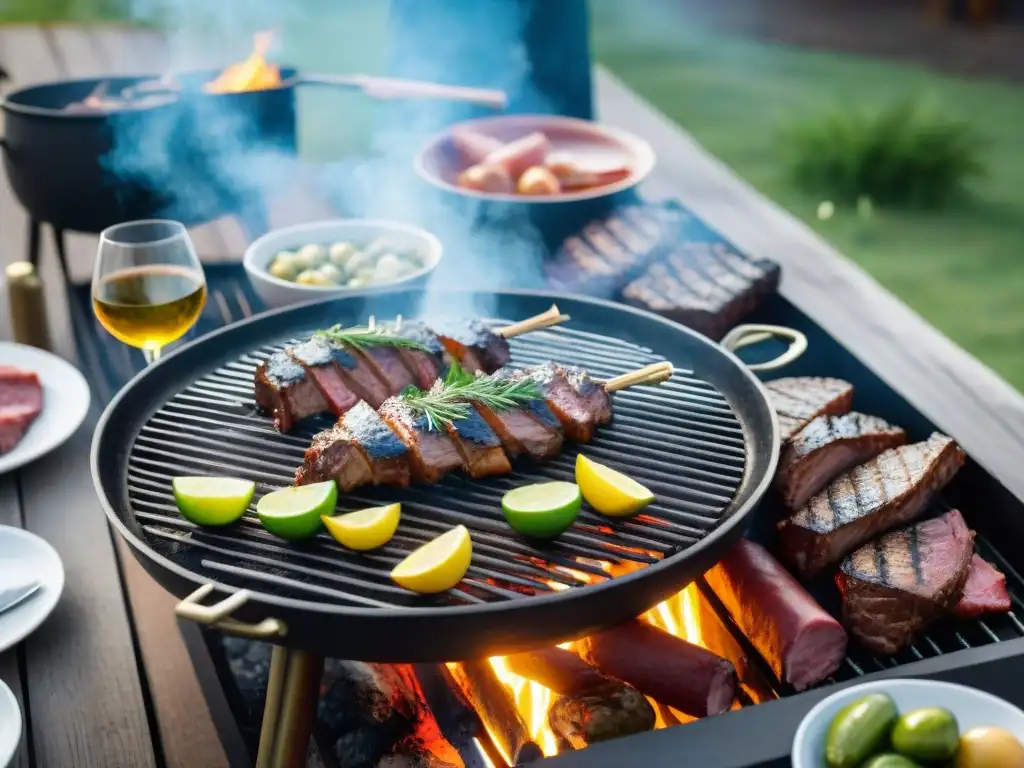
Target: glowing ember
x,y
253,74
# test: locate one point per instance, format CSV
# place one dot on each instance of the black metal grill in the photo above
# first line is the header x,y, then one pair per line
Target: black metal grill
x,y
682,440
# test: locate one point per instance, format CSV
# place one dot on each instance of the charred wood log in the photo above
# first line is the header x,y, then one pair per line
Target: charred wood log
x,y
494,704
591,707
660,665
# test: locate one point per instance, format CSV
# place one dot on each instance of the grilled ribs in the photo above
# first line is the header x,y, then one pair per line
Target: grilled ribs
x,y
800,399
319,376
827,447
897,585
890,490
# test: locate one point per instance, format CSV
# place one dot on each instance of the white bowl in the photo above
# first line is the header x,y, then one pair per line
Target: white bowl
x,y
276,292
972,708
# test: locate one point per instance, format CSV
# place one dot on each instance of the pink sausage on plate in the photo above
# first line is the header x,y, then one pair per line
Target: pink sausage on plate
x,y
474,146
801,642
516,156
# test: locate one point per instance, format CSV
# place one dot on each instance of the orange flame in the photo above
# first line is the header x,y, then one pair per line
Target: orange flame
x,y
253,74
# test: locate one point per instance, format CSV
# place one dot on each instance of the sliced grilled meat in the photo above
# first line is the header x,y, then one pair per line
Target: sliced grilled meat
x,y
984,592
578,401
592,392
432,453
481,449
283,389
890,490
316,356
427,366
827,447
900,583
797,400
474,345
335,454
387,455
390,368
532,429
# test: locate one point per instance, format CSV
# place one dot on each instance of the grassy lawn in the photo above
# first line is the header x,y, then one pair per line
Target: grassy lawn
x,y
963,269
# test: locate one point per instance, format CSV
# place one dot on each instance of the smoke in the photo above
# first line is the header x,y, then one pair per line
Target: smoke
x,y
211,153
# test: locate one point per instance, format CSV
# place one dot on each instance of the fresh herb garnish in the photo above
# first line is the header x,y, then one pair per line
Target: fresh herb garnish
x,y
442,406
363,337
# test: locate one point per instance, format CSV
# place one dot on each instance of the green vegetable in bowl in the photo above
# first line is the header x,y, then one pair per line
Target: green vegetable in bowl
x,y
927,735
860,730
890,760
344,264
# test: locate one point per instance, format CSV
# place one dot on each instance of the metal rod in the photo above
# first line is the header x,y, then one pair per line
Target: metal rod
x,y
298,709
272,706
395,88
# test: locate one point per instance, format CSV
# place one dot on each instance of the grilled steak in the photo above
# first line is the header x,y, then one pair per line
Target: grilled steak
x,y
387,455
432,453
532,429
890,490
984,592
900,583
828,446
389,366
474,345
800,399
480,449
316,357
335,454
578,402
21,401
283,389
427,366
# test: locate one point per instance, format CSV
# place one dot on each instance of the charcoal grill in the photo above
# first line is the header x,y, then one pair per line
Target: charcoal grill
x,y
705,442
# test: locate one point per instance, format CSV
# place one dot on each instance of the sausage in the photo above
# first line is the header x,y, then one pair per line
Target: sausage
x,y
667,668
562,671
801,642
474,146
572,175
515,157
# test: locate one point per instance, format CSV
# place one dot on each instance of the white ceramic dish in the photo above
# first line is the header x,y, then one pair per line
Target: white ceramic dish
x,y
27,557
65,403
276,292
10,724
972,708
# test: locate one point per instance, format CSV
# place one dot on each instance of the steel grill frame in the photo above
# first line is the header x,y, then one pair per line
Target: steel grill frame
x,y
344,604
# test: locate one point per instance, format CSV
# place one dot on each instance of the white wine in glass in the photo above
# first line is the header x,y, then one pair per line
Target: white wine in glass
x,y
148,287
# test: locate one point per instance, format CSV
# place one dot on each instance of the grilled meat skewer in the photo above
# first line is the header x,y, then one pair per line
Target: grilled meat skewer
x,y
320,376
479,443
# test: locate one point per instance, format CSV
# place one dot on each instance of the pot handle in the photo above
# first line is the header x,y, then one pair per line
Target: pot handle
x,y
218,615
746,335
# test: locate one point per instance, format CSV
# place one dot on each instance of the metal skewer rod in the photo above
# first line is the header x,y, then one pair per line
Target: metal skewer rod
x,y
649,374
544,320
396,88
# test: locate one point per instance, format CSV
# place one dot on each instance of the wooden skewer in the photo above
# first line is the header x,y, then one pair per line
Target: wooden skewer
x,y
535,323
649,374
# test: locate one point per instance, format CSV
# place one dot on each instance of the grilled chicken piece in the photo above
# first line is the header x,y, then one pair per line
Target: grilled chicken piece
x,y
481,450
427,366
890,490
387,455
474,345
578,402
828,446
984,592
797,400
432,453
898,584
532,429
335,454
283,389
316,356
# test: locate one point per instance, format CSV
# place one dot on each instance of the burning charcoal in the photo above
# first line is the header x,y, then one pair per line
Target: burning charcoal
x,y
416,761
585,720
249,662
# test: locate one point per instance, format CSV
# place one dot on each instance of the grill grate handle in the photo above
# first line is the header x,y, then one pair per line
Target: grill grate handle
x,y
747,335
217,616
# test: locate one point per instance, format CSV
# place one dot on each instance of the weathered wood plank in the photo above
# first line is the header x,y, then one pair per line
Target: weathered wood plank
x,y
953,389
10,661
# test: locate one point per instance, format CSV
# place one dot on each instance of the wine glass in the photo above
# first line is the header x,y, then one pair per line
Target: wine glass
x,y
148,287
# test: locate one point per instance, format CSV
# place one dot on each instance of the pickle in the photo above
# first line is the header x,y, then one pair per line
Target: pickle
x,y
890,760
927,735
860,730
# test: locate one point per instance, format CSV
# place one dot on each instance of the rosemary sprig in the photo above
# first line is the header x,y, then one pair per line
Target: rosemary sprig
x,y
441,407
362,337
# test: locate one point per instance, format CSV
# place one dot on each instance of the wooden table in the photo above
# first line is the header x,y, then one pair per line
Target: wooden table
x,y
106,681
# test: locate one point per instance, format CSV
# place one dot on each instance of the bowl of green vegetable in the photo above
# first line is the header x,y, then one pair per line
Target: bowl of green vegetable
x,y
339,257
910,724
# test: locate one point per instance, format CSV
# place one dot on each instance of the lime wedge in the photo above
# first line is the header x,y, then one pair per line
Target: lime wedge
x,y
365,529
542,510
608,491
212,500
294,513
438,565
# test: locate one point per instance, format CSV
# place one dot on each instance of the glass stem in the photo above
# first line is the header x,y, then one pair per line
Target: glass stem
x,y
152,354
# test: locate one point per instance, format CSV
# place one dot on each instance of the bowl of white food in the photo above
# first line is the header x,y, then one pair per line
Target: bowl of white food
x,y
339,258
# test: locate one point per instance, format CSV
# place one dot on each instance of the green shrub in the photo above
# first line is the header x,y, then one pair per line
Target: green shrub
x,y
901,156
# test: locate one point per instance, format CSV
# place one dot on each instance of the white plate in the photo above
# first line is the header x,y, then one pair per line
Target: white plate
x,y
10,724
28,557
972,708
65,403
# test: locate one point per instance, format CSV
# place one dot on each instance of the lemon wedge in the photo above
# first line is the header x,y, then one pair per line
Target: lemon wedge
x,y
365,529
610,492
438,565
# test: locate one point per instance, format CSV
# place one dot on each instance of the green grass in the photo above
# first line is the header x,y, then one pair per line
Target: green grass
x,y
961,268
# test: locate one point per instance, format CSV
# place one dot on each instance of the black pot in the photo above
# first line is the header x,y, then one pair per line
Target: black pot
x,y
194,157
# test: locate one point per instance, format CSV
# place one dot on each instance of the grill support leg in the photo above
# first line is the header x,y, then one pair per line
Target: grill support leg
x,y
290,710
